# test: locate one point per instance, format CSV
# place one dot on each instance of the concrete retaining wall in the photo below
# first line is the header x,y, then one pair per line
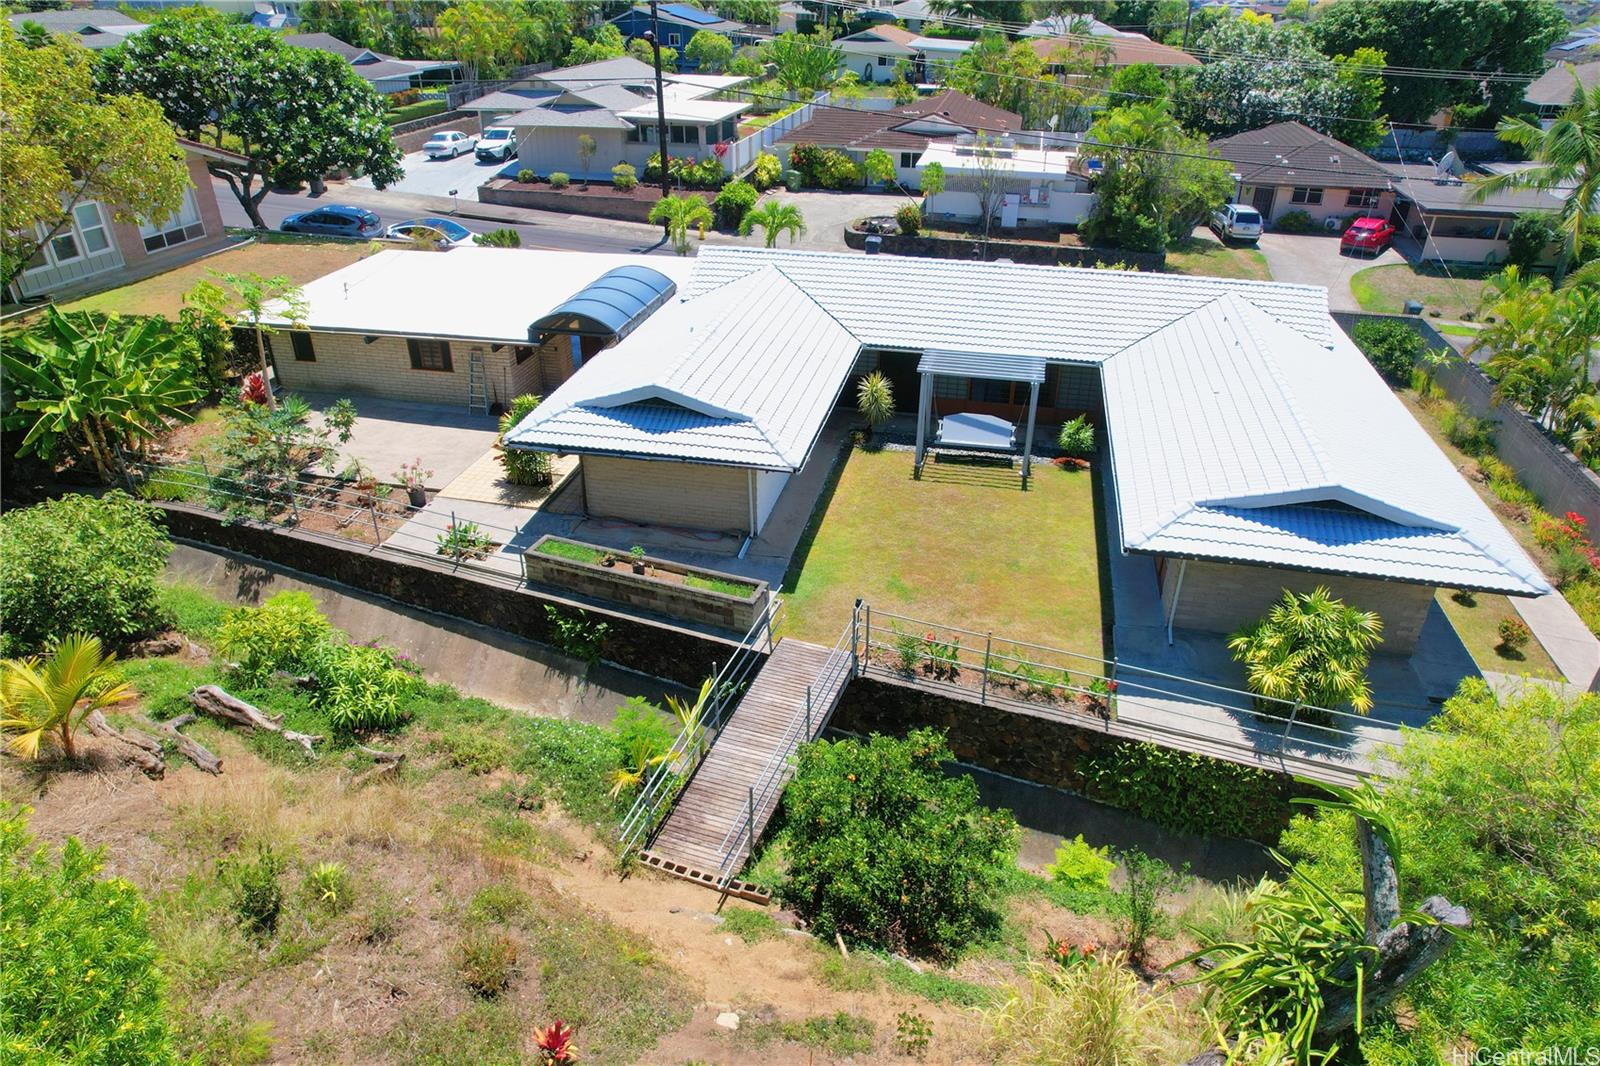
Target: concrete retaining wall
x,y
1556,476
598,200
1016,251
411,136
620,584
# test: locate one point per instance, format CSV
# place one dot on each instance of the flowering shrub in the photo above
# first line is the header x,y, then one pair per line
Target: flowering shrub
x,y
1570,530
1514,633
254,389
1067,954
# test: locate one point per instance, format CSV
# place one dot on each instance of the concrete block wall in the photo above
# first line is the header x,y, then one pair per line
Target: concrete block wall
x,y
697,495
346,363
1221,597
620,584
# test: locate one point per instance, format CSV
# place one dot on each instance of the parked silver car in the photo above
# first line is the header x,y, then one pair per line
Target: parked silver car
x,y
447,144
497,145
1237,222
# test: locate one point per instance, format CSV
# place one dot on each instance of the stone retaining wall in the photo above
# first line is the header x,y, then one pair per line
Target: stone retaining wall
x,y
1016,251
599,200
620,584
411,136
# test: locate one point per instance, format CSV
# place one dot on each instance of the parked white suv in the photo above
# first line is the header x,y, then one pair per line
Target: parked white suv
x,y
447,144
497,145
1236,222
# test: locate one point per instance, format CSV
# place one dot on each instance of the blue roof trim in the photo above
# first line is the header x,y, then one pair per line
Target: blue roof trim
x,y
610,306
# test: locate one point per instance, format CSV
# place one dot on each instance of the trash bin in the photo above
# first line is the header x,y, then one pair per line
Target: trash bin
x,y
1413,307
874,244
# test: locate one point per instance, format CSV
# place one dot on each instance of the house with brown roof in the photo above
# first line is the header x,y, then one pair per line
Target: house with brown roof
x,y
1288,166
1123,50
904,132
1552,92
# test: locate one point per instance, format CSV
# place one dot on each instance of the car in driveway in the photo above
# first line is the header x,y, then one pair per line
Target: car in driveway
x,y
1236,222
440,232
335,220
497,145
447,144
1367,235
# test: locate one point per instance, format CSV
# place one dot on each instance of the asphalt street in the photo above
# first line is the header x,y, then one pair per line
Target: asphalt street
x,y
539,230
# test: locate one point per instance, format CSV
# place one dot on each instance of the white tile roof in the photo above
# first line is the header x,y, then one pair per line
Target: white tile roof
x,y
745,375
468,293
1234,438
1067,314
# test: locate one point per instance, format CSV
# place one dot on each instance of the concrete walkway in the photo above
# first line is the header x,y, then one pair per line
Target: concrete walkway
x,y
1570,645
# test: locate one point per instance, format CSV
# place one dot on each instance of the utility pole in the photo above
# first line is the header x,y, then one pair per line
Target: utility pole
x,y
654,37
1188,17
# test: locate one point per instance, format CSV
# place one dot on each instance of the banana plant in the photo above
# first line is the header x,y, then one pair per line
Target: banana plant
x,y
51,698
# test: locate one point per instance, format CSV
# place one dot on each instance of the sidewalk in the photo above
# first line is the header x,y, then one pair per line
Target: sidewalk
x,y
1568,641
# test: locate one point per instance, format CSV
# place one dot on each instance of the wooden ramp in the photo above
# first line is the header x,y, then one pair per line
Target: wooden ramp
x,y
707,836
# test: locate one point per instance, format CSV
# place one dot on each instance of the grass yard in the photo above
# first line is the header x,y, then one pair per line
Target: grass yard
x,y
1476,618
1203,258
162,294
1385,290
964,546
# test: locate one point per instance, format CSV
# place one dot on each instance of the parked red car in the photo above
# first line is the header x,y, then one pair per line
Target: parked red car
x,y
1367,235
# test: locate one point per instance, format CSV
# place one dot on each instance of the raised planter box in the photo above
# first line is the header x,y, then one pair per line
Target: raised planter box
x,y
671,598
599,199
1016,251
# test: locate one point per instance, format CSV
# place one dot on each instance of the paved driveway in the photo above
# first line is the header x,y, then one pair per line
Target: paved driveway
x,y
1314,259
827,214
436,177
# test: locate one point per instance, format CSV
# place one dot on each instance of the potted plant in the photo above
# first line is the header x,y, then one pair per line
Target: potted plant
x,y
608,559
414,478
1103,697
637,554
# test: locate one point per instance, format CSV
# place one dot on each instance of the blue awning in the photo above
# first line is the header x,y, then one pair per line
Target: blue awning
x,y
610,306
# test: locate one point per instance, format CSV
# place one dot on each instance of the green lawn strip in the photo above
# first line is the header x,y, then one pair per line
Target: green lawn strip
x,y
1478,626
407,112
1385,290
1202,258
947,549
566,549
718,584
583,553
1457,329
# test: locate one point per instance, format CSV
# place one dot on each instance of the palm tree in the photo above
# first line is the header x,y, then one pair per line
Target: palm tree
x,y
38,700
875,400
774,218
692,716
680,214
1311,648
1568,154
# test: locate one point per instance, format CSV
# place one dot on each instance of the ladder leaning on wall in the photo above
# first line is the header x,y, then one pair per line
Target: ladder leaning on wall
x,y
477,384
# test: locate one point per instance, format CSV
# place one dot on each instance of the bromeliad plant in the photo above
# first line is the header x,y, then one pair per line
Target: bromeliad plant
x,y
554,1043
52,697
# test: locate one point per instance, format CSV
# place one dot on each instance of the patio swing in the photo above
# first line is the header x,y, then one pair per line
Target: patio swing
x,y
969,431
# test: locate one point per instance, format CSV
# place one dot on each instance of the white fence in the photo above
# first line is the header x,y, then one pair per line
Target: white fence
x,y
742,153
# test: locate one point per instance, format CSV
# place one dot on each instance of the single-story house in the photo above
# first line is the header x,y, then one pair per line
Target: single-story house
x,y
905,132
1123,50
1037,186
384,73
911,13
1552,91
96,250
614,102
679,24
1252,447
428,326
1288,166
939,54
1435,205
876,53
92,28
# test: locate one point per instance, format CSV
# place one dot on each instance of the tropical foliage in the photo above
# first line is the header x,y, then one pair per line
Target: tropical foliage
x,y
1311,648
94,385
80,564
775,218
1158,181
1392,346
678,215
803,63
875,400
48,699
888,849
522,467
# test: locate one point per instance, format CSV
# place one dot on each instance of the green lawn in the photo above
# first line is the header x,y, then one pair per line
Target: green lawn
x,y
162,294
1477,623
1203,258
1385,290
964,546
1457,329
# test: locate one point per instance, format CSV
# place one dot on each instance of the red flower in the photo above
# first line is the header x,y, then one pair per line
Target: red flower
x,y
555,1043
1111,686
1576,519
254,389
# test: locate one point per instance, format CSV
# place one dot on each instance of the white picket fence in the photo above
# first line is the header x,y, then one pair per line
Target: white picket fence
x,y
743,152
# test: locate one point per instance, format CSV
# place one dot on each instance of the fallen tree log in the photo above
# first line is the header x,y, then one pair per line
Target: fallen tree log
x,y
139,750
382,756
229,708
188,747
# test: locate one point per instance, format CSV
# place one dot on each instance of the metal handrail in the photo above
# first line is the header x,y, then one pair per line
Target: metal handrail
x,y
693,742
775,773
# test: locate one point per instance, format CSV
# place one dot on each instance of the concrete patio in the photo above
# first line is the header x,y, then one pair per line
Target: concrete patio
x,y
447,439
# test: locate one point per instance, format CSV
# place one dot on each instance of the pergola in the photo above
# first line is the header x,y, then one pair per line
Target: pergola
x,y
977,432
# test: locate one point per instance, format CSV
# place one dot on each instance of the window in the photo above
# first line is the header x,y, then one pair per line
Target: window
x,y
184,225
524,352
304,352
677,134
83,233
1362,198
673,39
429,354
635,135
908,160
685,134
883,61
1303,195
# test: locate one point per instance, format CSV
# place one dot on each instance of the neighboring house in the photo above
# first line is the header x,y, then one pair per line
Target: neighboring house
x,y
384,73
422,326
904,132
938,55
613,101
1288,166
794,18
1036,186
1123,50
1434,204
97,251
1552,92
679,23
875,54
912,14
89,27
